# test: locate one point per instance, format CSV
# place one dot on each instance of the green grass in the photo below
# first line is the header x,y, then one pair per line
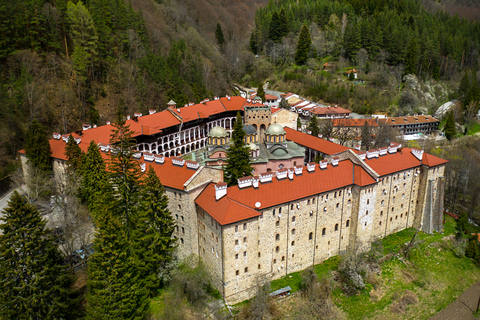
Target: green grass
x,y
437,277
473,128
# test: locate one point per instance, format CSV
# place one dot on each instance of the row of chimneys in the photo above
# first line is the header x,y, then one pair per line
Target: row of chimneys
x,y
245,182
376,153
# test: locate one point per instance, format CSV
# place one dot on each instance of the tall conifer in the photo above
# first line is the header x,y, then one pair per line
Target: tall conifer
x,y
449,127
33,282
219,35
411,59
313,126
74,154
274,32
94,177
37,147
303,46
238,155
155,229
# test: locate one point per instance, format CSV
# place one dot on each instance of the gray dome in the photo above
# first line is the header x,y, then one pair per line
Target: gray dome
x,y
275,129
280,152
249,129
218,132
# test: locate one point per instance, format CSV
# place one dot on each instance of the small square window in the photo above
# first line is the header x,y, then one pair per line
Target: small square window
x,y
237,273
259,266
236,256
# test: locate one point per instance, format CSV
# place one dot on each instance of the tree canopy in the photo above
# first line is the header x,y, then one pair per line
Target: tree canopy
x,y
238,155
37,147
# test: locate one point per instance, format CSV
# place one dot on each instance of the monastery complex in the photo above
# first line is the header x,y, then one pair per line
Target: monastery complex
x,y
292,213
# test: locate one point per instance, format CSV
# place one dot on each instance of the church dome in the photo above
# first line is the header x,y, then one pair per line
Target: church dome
x,y
218,132
280,152
275,130
249,129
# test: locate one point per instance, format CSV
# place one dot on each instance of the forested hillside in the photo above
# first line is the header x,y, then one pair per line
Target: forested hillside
x,y
65,63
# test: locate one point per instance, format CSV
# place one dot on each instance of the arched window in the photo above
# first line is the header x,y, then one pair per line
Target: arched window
x,y
293,232
293,219
277,249
277,236
366,213
277,223
293,243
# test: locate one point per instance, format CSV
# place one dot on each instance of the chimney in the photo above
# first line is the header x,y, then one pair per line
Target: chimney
x,y
128,117
220,190
282,173
290,173
108,122
137,155
265,177
177,161
143,167
137,114
147,156
57,136
255,182
311,167
171,105
245,182
159,158
151,111
192,164
417,153
298,170
85,127
335,161
323,164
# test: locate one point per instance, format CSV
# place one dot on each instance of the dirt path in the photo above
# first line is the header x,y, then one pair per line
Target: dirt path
x,y
463,307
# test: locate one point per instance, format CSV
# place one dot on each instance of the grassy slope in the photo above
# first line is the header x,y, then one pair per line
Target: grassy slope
x,y
434,273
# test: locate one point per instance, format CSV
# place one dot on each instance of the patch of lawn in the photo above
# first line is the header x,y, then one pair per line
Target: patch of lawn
x,y
473,128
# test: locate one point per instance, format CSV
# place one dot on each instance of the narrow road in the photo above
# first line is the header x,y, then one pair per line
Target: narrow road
x,y
462,308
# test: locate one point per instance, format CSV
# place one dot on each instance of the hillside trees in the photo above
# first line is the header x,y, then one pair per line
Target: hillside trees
x,y
303,46
37,148
94,176
34,284
449,127
313,126
219,35
238,155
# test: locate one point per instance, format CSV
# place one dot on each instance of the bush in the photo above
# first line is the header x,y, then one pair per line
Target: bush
x,y
472,248
459,249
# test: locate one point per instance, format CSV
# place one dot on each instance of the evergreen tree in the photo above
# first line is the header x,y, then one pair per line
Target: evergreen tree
x,y
411,59
238,155
219,35
261,92
303,46
299,123
253,44
34,284
155,229
274,32
464,89
74,154
116,286
313,126
366,136
351,76
471,251
449,127
94,176
37,147
124,174
462,225
283,24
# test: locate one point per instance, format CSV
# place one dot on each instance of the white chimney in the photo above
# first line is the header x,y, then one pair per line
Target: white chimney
x,y
417,153
335,161
128,117
311,167
143,167
298,170
192,164
323,164
245,182
220,190
85,127
178,161
266,177
282,173
159,158
137,155
290,174
137,114
362,155
151,111
147,156
383,151
255,182
57,136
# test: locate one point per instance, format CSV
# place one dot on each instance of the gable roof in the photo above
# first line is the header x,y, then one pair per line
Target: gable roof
x,y
407,120
239,204
354,122
314,143
330,110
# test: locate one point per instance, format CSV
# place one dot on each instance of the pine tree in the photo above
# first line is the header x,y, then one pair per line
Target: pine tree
x,y
313,126
219,35
261,92
34,283
411,59
155,229
238,155
116,286
253,44
471,251
274,32
299,123
464,88
351,76
37,147
283,24
74,154
449,127
124,174
94,176
303,46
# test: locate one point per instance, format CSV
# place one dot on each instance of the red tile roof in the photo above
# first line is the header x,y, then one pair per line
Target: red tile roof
x,y
402,160
239,204
314,143
407,120
267,96
330,110
354,122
